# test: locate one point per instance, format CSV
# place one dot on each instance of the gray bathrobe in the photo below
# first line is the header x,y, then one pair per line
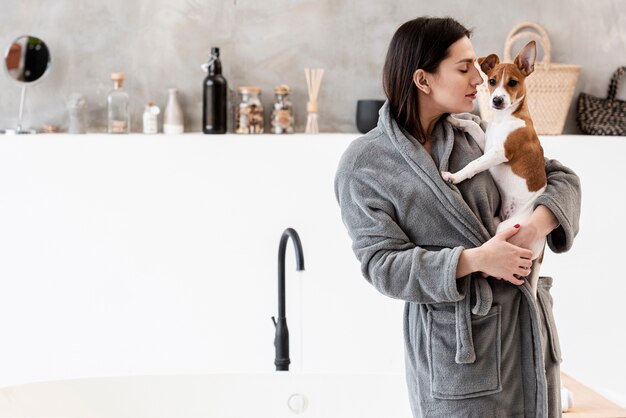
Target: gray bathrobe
x,y
474,346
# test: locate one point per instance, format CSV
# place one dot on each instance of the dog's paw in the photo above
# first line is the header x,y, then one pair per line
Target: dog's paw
x,y
449,177
461,123
454,121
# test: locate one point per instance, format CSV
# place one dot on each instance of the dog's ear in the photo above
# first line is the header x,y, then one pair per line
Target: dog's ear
x,y
488,63
525,60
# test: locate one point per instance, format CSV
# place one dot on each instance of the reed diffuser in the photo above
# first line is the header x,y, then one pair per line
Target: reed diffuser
x,y
313,82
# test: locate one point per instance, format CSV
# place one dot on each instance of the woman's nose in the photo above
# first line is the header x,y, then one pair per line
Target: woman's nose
x,y
477,80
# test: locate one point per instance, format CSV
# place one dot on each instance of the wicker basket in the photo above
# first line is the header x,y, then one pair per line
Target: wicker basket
x,y
550,88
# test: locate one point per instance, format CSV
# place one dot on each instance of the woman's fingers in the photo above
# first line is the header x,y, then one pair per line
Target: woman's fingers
x,y
525,263
513,279
525,253
516,281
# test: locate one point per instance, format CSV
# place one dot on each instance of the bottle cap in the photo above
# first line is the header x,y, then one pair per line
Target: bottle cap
x,y
152,108
117,76
249,89
282,89
215,51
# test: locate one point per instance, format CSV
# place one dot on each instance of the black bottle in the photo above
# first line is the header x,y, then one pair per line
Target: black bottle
x,y
215,97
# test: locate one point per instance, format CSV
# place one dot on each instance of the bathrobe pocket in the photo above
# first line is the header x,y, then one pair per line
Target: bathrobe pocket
x,y
544,284
450,380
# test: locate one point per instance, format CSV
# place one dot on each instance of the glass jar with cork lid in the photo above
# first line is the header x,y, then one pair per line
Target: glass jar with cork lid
x,y
282,112
249,113
118,107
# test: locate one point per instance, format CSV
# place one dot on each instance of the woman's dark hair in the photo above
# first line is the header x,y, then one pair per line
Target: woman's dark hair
x,y
419,43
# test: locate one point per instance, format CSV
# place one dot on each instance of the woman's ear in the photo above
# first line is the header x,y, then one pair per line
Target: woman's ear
x,y
421,81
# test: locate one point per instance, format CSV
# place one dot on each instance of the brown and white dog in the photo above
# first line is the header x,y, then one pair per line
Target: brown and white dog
x,y
511,149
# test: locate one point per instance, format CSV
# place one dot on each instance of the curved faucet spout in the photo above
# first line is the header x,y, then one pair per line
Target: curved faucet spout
x,y
281,340
282,247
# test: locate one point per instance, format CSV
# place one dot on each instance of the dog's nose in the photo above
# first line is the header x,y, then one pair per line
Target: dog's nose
x,y
497,101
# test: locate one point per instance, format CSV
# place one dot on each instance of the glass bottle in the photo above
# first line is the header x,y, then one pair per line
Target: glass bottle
x,y
282,112
215,96
173,118
249,112
118,112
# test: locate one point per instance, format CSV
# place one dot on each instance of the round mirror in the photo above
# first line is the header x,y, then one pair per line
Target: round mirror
x,y
27,59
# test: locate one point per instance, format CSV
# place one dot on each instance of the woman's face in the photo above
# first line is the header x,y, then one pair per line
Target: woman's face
x,y
453,85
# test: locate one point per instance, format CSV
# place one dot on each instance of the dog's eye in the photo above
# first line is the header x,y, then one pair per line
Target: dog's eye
x,y
512,83
492,82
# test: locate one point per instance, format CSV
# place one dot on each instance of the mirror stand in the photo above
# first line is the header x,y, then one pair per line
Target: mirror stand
x,y
19,130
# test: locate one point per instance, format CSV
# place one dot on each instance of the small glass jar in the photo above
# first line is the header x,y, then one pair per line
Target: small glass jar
x,y
76,104
249,112
150,119
282,112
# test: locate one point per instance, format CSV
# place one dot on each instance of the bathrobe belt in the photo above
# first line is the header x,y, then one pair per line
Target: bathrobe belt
x,y
484,297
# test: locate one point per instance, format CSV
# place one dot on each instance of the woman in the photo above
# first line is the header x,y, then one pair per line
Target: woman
x,y
476,343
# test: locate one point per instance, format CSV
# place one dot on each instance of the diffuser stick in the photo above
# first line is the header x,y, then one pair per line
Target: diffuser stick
x,y
313,82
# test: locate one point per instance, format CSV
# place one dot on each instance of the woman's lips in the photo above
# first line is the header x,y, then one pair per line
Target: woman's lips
x,y
471,95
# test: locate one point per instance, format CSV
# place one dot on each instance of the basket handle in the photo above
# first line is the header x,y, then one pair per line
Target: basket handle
x,y
615,82
541,37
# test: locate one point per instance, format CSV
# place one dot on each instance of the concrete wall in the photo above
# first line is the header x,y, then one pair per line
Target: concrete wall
x,y
161,44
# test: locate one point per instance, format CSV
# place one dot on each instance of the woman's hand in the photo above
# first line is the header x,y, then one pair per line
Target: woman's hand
x,y
539,225
528,233
504,260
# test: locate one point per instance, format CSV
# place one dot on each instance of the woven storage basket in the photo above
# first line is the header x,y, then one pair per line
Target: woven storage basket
x,y
550,88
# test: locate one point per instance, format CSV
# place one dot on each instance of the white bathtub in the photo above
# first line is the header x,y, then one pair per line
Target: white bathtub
x,y
232,395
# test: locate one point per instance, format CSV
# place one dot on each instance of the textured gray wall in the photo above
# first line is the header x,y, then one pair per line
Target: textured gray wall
x,y
161,44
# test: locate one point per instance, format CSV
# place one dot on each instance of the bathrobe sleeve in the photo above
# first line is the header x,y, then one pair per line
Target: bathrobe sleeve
x,y
393,264
563,197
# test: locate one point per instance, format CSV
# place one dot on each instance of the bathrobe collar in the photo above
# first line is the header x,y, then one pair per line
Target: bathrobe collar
x,y
422,163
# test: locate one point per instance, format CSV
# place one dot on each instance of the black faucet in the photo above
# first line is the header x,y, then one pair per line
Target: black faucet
x,y
281,340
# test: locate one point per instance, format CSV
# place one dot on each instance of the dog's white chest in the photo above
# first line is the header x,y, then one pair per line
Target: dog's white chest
x,y
499,130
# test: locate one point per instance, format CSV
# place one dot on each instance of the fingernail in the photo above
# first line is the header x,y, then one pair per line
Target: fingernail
x,y
516,226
